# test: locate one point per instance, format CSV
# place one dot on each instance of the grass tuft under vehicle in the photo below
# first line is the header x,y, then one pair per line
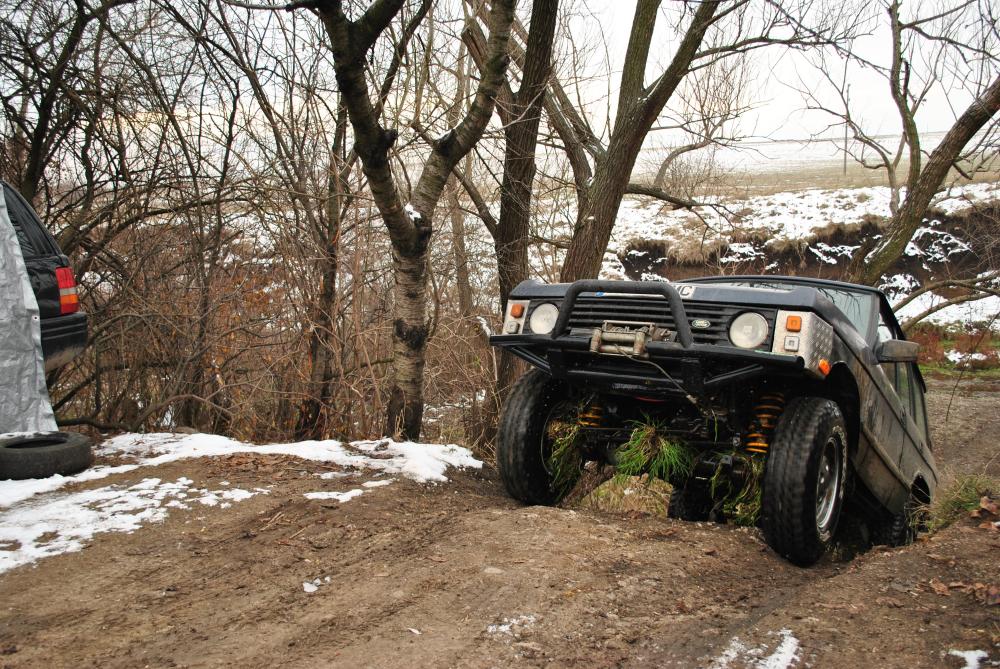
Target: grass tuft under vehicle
x,y
740,500
649,451
565,462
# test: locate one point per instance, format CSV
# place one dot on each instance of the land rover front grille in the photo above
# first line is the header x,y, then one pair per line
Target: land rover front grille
x,y
709,320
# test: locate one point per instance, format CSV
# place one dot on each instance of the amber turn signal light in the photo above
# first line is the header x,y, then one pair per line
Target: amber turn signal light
x,y
793,323
824,367
517,310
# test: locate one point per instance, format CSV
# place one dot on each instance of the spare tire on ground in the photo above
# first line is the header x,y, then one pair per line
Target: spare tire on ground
x,y
41,455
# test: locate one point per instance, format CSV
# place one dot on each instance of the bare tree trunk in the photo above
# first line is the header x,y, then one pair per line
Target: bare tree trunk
x,y
638,108
868,268
409,227
462,283
521,134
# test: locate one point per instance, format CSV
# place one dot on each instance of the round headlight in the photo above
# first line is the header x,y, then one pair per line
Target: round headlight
x,y
543,318
748,330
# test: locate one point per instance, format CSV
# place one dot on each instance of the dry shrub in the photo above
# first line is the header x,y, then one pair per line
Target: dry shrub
x,y
931,348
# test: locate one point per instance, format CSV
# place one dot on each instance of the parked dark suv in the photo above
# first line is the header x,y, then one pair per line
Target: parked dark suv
x,y
768,400
63,325
64,335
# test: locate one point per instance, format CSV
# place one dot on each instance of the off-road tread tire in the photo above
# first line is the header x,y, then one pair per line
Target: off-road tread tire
x,y
688,504
522,425
898,529
43,455
788,502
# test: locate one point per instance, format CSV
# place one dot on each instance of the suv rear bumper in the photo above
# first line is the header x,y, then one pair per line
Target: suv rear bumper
x,y
63,338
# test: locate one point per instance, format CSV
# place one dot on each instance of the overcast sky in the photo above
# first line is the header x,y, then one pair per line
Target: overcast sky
x,y
779,112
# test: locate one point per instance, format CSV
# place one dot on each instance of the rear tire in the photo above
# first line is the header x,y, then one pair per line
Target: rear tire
x,y
898,529
45,454
523,447
688,503
804,479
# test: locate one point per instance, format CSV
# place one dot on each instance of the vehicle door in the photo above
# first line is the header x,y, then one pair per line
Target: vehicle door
x,y
895,394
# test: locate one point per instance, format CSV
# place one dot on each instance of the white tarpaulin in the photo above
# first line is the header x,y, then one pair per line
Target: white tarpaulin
x,y
24,399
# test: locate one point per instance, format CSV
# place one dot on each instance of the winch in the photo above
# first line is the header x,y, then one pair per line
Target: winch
x,y
627,338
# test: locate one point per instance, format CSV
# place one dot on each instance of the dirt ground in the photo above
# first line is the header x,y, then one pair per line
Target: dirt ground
x,y
459,575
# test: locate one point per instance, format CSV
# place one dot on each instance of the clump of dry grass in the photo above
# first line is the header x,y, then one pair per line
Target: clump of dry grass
x,y
958,499
630,494
740,504
565,462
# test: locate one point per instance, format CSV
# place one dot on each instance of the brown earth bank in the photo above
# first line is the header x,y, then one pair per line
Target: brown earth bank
x,y
457,574
972,228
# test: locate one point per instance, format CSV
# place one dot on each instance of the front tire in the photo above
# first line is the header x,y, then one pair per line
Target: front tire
x,y
805,479
523,442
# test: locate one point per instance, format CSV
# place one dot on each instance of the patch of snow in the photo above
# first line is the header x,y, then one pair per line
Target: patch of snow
x,y
977,311
484,326
12,492
899,285
338,496
412,213
956,357
65,522
309,587
31,528
972,658
420,462
784,655
506,625
376,484
740,252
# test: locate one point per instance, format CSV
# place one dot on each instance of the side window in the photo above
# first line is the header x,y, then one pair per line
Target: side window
x,y
904,387
919,413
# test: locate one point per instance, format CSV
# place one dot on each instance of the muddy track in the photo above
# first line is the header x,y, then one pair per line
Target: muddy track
x,y
458,575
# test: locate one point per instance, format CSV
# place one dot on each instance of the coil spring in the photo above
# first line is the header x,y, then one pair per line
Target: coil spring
x,y
769,406
591,416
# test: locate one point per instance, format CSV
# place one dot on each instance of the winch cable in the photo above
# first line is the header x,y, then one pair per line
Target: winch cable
x,y
690,398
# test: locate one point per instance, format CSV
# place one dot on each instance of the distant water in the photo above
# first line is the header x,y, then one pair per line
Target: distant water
x,y
791,154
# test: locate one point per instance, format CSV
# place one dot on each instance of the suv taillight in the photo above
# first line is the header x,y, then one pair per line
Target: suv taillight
x,y
69,301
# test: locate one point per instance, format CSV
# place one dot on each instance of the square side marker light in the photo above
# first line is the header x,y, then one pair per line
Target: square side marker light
x,y
517,310
793,323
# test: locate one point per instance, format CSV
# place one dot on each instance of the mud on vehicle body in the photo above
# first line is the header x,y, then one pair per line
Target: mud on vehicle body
x,y
801,394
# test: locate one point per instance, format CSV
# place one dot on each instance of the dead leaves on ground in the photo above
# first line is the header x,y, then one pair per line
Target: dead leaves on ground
x,y
986,594
989,512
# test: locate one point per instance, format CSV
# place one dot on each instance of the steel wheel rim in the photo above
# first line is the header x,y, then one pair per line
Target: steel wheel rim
x,y
827,484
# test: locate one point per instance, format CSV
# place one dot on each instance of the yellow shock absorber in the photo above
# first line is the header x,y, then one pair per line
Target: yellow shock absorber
x,y
591,416
769,406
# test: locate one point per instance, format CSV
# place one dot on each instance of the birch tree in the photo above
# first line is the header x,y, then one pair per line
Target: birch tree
x,y
409,224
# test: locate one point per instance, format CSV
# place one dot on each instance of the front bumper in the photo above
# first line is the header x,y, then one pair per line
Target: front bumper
x,y
698,368
677,366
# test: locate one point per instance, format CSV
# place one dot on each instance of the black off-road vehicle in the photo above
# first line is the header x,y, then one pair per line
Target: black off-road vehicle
x,y
778,401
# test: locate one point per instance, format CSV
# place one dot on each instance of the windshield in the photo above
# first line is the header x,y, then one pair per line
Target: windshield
x,y
858,306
